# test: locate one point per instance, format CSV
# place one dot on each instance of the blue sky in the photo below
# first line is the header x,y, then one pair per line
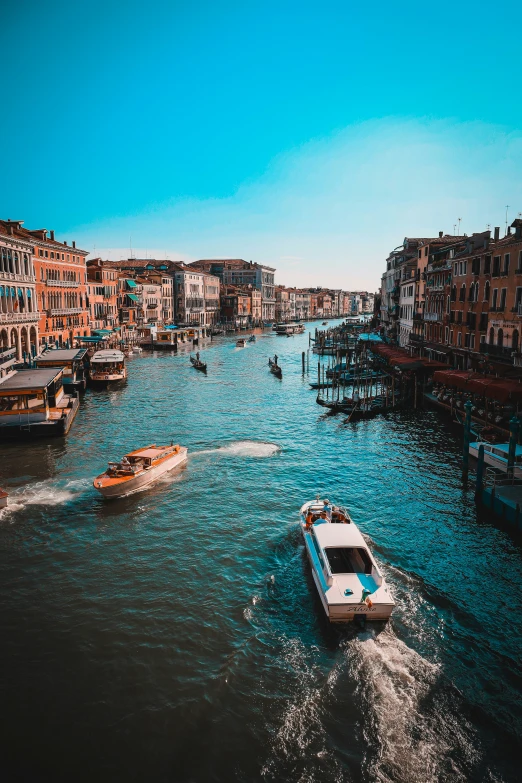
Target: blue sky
x,y
311,136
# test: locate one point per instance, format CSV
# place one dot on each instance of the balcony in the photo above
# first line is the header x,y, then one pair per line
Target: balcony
x,y
65,311
500,351
517,310
17,278
417,339
63,283
19,318
435,288
433,316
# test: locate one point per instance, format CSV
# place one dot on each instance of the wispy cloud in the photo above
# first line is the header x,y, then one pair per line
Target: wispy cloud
x,y
329,211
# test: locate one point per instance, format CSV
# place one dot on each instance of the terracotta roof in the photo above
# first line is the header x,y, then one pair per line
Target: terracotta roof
x,y
30,236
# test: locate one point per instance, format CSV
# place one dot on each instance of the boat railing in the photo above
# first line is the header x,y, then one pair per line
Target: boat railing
x,y
497,478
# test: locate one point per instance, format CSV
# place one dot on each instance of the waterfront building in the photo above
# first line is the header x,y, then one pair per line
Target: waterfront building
x,y
324,304
130,304
282,305
102,294
236,271
236,306
189,287
256,305
151,299
61,287
212,288
19,315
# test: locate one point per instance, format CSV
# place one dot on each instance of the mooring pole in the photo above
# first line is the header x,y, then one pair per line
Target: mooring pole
x,y
514,426
303,361
467,431
480,472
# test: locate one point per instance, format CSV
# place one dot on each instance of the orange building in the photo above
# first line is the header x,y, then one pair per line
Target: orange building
x,y
61,288
102,294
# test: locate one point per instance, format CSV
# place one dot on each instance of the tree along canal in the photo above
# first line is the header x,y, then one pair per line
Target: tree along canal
x,y
175,635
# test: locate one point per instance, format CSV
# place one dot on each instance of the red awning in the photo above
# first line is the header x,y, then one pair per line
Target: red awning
x,y
500,389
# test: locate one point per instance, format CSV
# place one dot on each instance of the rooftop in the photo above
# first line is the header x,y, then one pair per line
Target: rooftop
x,y
30,379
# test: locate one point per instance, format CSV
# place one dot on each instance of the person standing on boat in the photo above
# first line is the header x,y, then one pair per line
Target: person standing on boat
x,y
197,356
275,358
327,509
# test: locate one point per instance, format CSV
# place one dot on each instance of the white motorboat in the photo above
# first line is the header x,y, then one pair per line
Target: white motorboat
x,y
241,343
137,349
138,469
496,455
349,581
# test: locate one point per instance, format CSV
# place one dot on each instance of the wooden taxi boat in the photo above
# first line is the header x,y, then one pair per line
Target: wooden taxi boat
x,y
138,469
241,343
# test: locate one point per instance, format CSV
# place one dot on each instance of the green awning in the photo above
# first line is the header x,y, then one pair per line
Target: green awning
x,y
133,297
131,283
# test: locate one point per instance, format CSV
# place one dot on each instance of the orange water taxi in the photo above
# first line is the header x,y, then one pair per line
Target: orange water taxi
x,y
138,469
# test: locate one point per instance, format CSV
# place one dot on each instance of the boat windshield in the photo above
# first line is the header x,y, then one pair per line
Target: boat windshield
x,y
348,560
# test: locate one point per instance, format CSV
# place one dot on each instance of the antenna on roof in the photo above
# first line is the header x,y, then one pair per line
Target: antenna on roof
x,y
458,232
507,208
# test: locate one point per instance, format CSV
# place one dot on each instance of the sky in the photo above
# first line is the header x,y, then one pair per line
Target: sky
x,y
311,136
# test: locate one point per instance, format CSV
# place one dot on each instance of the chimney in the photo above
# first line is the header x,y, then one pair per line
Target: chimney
x,y
497,233
52,236
10,229
441,234
65,243
74,243
509,231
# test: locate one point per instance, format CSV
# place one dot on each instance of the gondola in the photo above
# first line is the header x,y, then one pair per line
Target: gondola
x,y
275,368
252,338
198,365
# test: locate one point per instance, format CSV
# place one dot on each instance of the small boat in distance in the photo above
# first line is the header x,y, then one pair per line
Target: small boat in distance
x,y
348,580
325,323
138,469
241,343
496,455
275,369
198,364
107,366
252,338
137,349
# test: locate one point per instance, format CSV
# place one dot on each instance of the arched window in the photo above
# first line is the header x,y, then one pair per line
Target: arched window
x,y
454,294
491,336
471,292
514,340
500,338
462,296
486,291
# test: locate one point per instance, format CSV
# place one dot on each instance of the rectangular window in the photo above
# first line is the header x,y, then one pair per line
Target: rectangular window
x,y
487,265
451,337
496,266
459,339
519,267
475,266
466,340
518,298
503,293
472,342
426,250
506,263
494,300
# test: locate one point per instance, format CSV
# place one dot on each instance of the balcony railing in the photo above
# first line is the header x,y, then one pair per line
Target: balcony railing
x,y
63,283
17,278
19,318
433,316
503,351
65,311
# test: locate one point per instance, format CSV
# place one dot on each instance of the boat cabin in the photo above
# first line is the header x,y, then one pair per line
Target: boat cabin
x,y
108,365
34,401
141,459
72,361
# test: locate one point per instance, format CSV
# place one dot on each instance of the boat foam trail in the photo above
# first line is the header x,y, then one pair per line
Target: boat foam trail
x,y
301,736
244,448
46,493
393,681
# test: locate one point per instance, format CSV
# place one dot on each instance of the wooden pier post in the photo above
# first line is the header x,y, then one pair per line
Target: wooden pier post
x,y
303,361
467,431
513,438
480,472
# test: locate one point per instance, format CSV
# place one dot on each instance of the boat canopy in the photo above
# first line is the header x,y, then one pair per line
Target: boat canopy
x,y
107,356
398,357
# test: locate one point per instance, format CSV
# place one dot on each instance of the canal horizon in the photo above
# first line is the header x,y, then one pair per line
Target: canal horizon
x,y
176,634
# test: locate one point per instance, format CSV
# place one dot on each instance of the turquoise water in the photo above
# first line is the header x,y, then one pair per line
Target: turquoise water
x,y
175,635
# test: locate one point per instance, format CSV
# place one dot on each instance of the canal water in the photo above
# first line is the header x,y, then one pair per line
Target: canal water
x,y
175,635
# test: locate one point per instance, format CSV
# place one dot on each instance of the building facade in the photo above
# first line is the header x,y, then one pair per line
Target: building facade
x,y
19,317
102,294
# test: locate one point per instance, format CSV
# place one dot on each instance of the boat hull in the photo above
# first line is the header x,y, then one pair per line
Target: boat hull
x,y
143,479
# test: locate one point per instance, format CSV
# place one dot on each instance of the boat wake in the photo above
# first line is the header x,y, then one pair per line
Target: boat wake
x,y
245,448
408,741
44,493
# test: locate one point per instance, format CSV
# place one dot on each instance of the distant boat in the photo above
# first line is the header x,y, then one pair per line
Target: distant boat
x,y
252,338
107,366
275,369
241,343
198,364
138,469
